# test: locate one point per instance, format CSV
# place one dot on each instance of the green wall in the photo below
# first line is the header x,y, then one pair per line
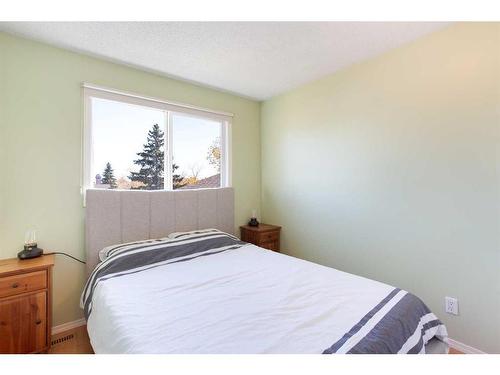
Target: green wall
x,y
40,149
390,169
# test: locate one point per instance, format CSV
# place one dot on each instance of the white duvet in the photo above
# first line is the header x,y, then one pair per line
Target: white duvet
x,y
248,300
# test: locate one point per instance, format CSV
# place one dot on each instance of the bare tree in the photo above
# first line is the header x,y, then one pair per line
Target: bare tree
x,y
195,170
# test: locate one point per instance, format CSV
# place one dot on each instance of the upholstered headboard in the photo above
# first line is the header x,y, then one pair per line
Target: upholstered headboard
x,y
114,216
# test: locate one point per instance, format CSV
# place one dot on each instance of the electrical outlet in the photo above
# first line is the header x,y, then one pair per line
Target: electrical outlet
x,y
451,305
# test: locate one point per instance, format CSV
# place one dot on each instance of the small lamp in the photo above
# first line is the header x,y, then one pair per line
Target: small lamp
x,y
31,249
253,220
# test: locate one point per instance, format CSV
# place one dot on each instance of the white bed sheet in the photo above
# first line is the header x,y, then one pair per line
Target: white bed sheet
x,y
249,300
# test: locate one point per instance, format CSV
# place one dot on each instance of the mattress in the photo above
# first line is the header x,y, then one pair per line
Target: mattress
x,y
234,297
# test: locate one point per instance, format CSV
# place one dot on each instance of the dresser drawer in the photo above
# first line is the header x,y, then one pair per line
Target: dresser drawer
x,y
269,236
25,282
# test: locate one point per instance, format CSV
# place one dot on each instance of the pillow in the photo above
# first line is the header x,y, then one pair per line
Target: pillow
x,y
191,232
105,253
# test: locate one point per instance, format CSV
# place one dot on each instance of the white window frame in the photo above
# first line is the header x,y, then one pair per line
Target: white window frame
x,y
169,108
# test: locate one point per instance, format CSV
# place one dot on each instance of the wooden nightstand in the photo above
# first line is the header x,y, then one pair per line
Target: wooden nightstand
x,y
25,304
265,235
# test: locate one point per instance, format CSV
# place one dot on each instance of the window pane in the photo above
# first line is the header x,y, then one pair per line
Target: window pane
x,y
196,152
131,139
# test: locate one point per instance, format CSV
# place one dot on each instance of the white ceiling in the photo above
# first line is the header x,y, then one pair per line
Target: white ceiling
x,y
253,59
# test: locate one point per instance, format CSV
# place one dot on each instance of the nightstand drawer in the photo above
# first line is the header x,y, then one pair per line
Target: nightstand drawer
x,y
274,246
25,282
268,236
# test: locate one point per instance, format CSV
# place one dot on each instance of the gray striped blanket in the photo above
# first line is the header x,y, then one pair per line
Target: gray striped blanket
x,y
400,323
129,258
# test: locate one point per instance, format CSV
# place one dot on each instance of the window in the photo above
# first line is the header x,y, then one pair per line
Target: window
x,y
131,142
196,152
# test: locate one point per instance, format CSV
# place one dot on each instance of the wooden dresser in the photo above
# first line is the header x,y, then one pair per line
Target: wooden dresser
x,y
25,304
265,235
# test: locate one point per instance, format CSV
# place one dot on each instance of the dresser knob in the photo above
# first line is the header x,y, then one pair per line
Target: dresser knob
x,y
38,322
15,285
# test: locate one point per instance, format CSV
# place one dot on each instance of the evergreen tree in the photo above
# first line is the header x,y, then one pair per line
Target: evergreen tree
x,y
151,161
177,179
108,176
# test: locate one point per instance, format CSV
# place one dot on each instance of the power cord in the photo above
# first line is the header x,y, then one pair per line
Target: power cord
x,y
71,256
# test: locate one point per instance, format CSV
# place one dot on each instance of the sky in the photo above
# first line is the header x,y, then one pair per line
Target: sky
x,y
119,131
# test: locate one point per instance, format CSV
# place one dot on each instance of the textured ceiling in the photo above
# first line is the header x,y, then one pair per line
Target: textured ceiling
x,y
253,59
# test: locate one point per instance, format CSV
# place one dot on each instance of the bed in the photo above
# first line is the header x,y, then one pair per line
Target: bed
x,y
160,282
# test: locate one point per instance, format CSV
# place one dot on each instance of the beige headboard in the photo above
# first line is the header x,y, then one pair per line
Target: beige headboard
x,y
114,216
